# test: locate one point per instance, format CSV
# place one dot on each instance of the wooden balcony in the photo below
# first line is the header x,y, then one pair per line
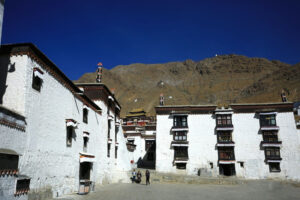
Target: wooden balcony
x,y
180,128
181,159
270,143
224,127
269,128
178,143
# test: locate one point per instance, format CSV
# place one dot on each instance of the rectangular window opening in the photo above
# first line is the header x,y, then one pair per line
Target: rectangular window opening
x,y
85,115
274,167
69,136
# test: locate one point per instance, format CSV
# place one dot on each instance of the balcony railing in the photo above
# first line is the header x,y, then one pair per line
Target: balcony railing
x,y
180,128
179,143
273,158
184,158
224,127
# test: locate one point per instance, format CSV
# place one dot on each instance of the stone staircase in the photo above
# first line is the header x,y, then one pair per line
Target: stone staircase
x,y
158,177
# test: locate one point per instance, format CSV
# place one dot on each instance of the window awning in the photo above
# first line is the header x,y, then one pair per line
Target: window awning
x,y
71,122
85,106
180,161
179,145
85,157
111,98
268,113
269,128
273,161
224,128
38,73
225,144
226,161
86,134
110,117
224,113
180,129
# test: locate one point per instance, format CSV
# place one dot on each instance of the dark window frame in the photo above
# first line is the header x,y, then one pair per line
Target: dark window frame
x,y
224,120
226,153
180,136
108,149
274,167
85,114
224,137
180,121
22,185
69,137
181,152
116,152
37,83
272,153
270,136
85,144
9,161
267,120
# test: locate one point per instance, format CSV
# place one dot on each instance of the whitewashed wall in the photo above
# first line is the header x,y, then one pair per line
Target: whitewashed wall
x,y
202,151
52,165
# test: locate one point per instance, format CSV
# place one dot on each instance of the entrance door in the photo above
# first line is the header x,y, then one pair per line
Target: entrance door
x,y
227,169
85,171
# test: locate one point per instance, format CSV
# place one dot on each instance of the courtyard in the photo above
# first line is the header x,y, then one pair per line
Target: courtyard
x,y
263,190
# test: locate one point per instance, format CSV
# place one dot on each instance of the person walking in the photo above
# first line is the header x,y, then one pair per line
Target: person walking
x,y
133,176
147,177
139,177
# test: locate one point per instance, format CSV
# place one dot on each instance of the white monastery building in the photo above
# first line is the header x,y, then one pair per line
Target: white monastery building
x,y
57,138
140,132
252,141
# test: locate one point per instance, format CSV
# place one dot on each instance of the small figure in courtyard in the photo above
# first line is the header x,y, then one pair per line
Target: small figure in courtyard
x,y
147,177
133,176
139,177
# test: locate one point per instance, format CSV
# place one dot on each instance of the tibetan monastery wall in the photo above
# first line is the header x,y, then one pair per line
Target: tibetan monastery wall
x,y
51,164
247,138
111,169
13,141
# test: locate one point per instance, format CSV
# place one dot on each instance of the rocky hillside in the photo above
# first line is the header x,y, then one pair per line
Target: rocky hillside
x,y
221,79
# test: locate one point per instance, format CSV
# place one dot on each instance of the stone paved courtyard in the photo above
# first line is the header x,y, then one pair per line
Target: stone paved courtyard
x,y
263,190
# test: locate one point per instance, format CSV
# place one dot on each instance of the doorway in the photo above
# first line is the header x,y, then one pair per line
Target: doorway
x,y
227,169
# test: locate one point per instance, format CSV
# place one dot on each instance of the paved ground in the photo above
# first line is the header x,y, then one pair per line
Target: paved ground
x,y
255,190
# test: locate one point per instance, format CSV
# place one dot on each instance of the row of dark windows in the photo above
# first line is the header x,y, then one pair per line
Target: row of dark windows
x,y
226,120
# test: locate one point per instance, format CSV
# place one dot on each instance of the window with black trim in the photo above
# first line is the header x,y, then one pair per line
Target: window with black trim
x,y
226,153
180,136
8,162
267,120
180,153
272,153
116,152
69,136
85,115
270,136
224,120
224,137
23,186
108,150
274,167
180,165
37,83
180,121
85,143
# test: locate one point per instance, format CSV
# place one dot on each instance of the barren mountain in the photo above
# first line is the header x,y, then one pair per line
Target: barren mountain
x,y
221,79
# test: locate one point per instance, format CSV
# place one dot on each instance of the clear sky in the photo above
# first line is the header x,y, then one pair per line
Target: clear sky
x,y
76,35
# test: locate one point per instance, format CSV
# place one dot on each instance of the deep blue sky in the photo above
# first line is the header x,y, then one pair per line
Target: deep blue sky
x,y
76,35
